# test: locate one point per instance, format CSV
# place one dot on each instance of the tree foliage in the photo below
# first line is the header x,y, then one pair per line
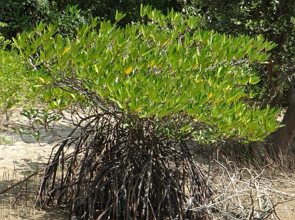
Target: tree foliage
x,y
156,68
275,20
22,15
14,80
106,10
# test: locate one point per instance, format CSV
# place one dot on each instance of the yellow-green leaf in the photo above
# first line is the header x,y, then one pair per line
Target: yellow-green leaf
x,y
128,70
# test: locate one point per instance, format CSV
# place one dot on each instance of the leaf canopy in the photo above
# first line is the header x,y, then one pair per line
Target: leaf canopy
x,y
158,67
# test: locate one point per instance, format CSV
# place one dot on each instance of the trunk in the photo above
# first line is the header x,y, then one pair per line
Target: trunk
x,y
283,137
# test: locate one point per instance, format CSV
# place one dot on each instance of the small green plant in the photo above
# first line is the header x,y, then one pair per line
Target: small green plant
x,y
40,117
37,119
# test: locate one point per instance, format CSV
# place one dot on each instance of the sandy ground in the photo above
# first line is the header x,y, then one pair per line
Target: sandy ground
x,y
24,152
20,156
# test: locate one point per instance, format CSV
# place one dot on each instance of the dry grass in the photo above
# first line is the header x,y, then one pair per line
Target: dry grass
x,y
245,193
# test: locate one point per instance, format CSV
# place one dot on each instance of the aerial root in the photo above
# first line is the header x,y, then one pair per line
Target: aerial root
x,y
117,171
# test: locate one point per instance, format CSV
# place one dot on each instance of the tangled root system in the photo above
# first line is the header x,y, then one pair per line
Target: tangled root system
x,y
111,167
